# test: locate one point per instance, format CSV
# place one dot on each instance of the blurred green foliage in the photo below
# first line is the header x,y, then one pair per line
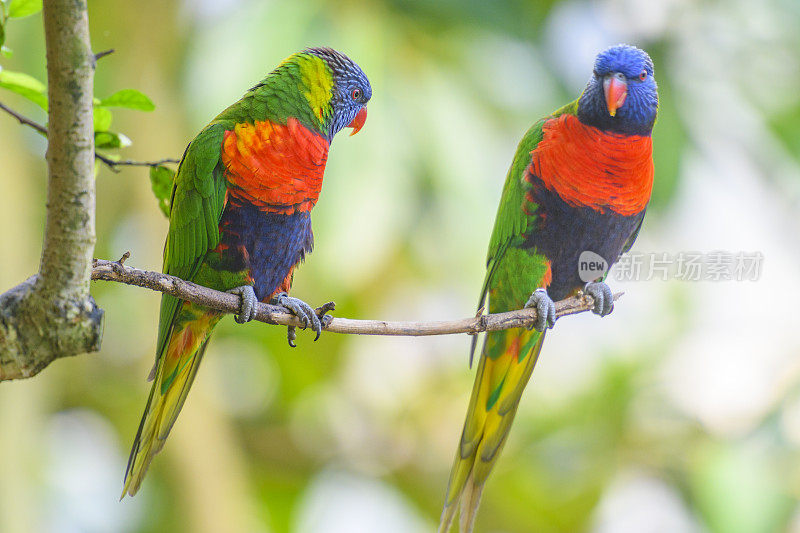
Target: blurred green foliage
x,y
32,89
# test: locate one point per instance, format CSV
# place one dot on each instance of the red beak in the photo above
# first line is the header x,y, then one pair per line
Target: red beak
x,y
358,121
616,88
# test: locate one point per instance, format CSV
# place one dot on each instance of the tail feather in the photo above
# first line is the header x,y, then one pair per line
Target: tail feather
x,y
167,396
469,505
505,367
448,515
183,383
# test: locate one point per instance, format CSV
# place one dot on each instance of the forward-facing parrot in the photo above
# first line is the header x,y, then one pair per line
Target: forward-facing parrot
x,y
580,181
240,217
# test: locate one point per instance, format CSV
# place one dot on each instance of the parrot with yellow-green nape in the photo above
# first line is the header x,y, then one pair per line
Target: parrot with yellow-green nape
x,y
240,218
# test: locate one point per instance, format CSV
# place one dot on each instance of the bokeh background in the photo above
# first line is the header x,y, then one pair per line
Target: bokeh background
x,y
678,413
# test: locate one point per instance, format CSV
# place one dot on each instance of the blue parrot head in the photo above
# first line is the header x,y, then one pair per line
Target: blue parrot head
x,y
350,94
622,95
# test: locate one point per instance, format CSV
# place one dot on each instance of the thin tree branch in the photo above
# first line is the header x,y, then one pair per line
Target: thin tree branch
x,y
271,314
110,163
104,53
24,120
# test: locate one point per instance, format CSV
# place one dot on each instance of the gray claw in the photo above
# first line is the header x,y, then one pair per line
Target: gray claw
x,y
301,310
602,295
545,309
291,335
247,311
324,318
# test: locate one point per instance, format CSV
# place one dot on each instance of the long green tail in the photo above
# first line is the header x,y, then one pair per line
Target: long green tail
x,y
172,378
506,364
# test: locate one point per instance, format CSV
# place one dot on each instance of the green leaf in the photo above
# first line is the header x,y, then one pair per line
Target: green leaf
x,y
2,32
102,119
109,139
26,85
23,8
129,98
161,179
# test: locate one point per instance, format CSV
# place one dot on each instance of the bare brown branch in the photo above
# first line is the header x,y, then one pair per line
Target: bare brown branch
x,y
104,53
113,164
270,314
25,121
109,162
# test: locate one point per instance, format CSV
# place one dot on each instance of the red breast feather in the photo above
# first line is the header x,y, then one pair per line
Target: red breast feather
x,y
275,167
588,167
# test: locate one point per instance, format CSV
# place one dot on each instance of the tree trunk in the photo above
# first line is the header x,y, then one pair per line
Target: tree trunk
x,y
52,314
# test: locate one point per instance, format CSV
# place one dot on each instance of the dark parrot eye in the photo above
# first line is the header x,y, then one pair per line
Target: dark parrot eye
x,y
643,75
356,94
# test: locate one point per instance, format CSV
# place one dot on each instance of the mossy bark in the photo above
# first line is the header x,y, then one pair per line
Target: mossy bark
x,y
52,314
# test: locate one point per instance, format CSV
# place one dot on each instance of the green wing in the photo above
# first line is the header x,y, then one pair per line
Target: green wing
x,y
198,198
512,222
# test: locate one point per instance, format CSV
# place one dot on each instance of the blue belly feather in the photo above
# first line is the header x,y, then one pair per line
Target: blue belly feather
x,y
268,244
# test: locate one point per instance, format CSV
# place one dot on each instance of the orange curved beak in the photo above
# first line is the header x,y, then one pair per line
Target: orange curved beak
x,y
359,120
616,89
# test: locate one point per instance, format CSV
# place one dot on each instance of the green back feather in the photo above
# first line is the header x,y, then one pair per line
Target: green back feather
x,y
300,87
511,222
198,198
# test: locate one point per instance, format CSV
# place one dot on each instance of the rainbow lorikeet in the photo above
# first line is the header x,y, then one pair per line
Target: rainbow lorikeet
x,y
580,182
240,217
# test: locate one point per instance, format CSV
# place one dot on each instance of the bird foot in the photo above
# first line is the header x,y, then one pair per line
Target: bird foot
x,y
322,312
602,295
545,309
301,310
249,301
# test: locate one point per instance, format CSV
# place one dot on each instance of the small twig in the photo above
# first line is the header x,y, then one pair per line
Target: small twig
x,y
104,53
24,120
110,163
119,265
271,314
